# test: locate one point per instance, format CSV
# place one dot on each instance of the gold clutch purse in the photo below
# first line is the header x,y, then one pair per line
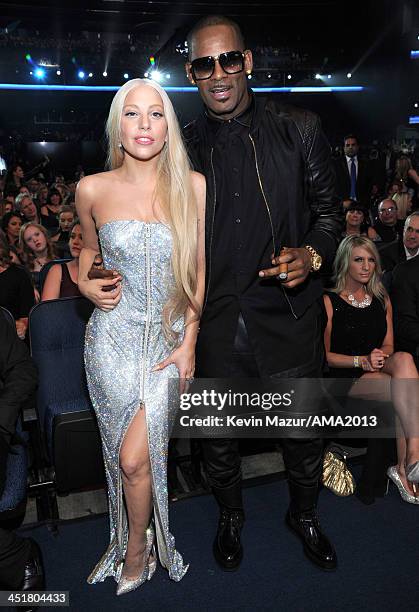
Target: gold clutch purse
x,y
336,474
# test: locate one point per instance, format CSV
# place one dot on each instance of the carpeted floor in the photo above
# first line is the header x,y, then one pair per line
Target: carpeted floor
x,y
377,546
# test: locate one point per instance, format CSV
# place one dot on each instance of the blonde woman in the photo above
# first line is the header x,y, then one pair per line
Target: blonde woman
x,y
359,345
37,250
148,210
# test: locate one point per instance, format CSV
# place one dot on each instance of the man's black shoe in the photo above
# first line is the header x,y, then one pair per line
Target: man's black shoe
x,y
316,545
34,578
228,551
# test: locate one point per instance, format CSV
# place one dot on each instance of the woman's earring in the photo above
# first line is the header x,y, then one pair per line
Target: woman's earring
x,y
248,72
120,145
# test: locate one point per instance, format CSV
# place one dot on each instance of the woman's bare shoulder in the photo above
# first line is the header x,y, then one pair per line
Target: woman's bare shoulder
x,y
89,185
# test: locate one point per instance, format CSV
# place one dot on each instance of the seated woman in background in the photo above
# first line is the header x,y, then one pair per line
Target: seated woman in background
x,y
50,211
11,224
37,250
359,345
16,291
355,218
61,280
61,238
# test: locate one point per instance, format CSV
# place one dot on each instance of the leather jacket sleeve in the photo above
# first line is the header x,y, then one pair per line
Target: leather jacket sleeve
x,y
327,217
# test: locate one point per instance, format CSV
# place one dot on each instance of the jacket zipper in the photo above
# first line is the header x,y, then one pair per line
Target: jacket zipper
x,y
212,228
270,220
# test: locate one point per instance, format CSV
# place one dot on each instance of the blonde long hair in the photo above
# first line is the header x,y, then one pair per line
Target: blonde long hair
x,y
176,198
341,266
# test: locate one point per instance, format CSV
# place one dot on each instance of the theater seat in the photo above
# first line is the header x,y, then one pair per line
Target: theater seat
x,y
67,422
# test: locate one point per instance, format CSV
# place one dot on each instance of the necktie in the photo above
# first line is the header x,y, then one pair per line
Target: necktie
x,y
353,180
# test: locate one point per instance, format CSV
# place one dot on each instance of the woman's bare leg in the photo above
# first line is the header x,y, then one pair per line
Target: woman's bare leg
x,y
135,466
405,396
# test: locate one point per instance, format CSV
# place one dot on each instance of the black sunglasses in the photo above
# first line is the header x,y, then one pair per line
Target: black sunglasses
x,y
231,62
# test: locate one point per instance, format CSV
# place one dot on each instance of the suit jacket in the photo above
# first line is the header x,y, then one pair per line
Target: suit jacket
x,y
18,379
391,254
364,181
405,299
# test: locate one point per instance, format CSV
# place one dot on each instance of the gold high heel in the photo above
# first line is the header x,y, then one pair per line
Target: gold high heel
x,y
125,585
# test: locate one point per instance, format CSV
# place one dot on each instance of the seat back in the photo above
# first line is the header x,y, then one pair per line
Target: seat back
x,y
8,316
56,332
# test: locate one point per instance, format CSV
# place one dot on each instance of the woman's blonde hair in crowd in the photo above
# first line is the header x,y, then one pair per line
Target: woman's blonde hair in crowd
x,y
374,286
176,199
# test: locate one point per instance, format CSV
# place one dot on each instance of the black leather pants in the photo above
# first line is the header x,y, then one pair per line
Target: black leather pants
x,y
302,457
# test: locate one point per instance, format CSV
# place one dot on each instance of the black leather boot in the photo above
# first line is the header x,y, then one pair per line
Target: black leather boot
x,y
227,548
302,519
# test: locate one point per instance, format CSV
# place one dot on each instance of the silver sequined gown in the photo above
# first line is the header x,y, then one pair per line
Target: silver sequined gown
x,y
121,348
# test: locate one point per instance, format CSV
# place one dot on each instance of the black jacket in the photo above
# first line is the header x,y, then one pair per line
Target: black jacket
x,y
391,254
292,159
18,379
405,300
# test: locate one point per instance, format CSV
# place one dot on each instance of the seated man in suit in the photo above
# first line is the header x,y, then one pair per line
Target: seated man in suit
x,y
20,558
405,300
354,176
403,249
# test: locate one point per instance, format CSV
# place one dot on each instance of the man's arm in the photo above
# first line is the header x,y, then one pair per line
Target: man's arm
x,y
18,375
327,223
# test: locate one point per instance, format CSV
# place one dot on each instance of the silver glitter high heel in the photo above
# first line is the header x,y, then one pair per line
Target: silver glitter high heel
x,y
393,475
125,585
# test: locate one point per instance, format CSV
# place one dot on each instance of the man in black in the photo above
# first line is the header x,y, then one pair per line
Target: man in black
x,y
387,227
405,300
20,558
404,248
269,185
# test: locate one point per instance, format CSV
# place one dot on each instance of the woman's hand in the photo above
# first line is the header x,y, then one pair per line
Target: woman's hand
x,y
374,361
104,300
184,359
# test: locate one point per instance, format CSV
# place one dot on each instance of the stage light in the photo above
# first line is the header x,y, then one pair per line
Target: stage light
x,y
31,72
90,74
329,76
126,75
43,143
156,76
416,105
349,75
104,73
318,76
28,57
167,76
289,77
269,75
152,60
58,73
39,73
146,75
81,74
249,76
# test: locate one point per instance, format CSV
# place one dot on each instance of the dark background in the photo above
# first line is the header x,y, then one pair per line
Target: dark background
x,y
371,39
